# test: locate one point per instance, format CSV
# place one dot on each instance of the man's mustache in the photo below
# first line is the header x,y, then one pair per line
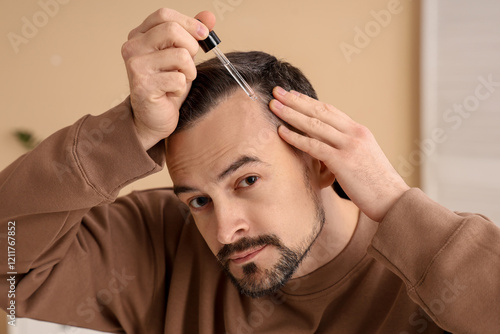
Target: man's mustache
x,y
247,243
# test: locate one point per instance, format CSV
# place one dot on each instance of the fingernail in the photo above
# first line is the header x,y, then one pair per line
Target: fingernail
x,y
295,93
277,104
202,30
280,91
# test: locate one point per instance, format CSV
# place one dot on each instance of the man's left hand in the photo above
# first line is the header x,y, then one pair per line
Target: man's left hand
x,y
347,148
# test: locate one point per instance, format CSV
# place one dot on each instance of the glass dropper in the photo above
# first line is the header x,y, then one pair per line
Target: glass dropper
x,y
210,43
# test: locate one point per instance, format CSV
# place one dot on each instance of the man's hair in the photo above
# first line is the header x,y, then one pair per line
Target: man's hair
x,y
262,72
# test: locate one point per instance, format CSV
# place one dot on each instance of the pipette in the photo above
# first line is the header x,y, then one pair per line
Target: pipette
x,y
210,43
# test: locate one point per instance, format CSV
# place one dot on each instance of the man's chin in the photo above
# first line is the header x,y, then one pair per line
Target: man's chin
x,y
266,273
256,282
256,286
260,293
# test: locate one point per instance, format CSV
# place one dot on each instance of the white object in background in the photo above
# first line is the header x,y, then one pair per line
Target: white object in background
x,y
460,89
30,326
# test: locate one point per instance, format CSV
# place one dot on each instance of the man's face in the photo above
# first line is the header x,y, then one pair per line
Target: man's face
x,y
251,196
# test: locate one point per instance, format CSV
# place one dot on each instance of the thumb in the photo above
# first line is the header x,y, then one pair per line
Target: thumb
x,y
207,18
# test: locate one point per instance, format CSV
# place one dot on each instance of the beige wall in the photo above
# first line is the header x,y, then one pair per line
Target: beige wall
x,y
72,64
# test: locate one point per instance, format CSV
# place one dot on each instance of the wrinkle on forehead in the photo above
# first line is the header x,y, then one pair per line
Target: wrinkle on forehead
x,y
229,130
204,158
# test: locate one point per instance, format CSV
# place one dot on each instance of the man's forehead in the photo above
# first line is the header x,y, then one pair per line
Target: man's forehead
x,y
236,127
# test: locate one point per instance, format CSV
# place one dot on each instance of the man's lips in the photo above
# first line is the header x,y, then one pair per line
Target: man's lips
x,y
247,255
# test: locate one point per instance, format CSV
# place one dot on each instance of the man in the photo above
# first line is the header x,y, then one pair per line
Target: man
x,y
260,199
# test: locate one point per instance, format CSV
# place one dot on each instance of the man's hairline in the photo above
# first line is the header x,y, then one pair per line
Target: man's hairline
x,y
269,115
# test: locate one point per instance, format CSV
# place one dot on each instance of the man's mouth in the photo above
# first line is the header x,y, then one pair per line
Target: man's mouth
x,y
247,255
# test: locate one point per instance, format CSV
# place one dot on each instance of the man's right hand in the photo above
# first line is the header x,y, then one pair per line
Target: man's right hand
x,y
159,57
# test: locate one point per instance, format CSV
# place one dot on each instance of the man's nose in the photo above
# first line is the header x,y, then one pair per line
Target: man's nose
x,y
231,222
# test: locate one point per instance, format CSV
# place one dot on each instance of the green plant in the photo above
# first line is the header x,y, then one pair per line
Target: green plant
x,y
27,139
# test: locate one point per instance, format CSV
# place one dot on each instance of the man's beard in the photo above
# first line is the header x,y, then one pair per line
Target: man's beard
x,y
258,282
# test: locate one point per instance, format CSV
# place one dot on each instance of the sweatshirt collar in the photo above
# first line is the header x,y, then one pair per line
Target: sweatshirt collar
x,y
329,275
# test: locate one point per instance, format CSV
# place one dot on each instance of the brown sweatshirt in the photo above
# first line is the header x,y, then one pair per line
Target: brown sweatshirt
x,y
137,264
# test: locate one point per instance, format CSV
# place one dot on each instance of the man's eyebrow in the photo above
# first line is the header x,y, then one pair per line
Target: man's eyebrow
x,y
242,161
182,189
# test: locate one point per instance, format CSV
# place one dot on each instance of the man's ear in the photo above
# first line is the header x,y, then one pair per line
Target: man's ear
x,y
325,177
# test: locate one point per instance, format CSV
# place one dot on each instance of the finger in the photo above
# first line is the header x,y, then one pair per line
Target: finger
x,y
162,36
173,83
168,60
161,84
208,19
311,146
194,27
311,126
313,108
173,59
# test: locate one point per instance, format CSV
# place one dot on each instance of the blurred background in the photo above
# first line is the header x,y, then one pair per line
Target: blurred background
x,y
422,75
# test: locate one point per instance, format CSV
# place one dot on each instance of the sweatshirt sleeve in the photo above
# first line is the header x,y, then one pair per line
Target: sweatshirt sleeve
x,y
80,257
450,262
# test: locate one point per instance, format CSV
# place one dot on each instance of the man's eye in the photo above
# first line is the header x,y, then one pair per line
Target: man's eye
x,y
248,181
199,202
